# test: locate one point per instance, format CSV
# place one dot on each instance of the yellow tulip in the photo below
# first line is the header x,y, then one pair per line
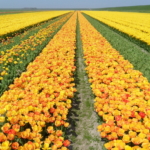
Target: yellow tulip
x,y
2,119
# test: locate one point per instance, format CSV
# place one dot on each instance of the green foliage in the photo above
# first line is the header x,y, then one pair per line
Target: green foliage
x,y
141,8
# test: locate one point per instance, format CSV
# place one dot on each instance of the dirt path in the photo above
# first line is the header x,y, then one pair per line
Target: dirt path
x,y
84,121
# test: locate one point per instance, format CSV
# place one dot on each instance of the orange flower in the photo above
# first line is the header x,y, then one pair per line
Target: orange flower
x,y
6,127
132,134
2,137
57,123
25,134
15,145
50,129
108,145
114,135
58,143
100,128
126,138
10,137
51,137
120,132
136,140
54,147
16,127
59,132
66,143
66,124
103,134
29,146
64,148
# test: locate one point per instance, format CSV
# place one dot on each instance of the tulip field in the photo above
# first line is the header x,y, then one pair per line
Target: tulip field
x,y
128,23
72,80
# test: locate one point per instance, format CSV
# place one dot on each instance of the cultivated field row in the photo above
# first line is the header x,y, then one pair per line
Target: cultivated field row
x,y
64,86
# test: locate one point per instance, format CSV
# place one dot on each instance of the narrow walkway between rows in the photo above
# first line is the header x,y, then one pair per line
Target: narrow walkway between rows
x,y
84,120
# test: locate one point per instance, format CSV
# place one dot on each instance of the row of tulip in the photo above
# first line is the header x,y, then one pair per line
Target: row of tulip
x,y
18,35
34,110
14,22
13,61
28,44
134,24
122,93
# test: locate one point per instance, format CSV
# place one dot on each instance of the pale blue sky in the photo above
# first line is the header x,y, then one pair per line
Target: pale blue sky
x,y
70,3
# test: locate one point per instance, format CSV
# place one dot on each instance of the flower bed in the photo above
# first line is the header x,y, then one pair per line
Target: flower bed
x,y
8,22
133,24
13,61
122,93
34,110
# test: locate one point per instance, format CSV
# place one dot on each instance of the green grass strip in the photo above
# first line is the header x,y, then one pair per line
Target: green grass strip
x,y
132,52
140,8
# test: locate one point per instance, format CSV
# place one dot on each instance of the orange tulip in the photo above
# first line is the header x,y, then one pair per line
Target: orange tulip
x,y
15,145
132,134
120,132
108,145
2,137
59,132
29,146
50,129
103,134
66,143
66,124
10,137
136,140
126,138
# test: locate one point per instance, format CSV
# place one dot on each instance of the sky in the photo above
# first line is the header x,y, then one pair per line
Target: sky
x,y
70,3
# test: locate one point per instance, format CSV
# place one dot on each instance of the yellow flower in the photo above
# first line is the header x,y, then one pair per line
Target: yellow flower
x,y
15,62
2,119
128,147
126,138
3,73
6,145
46,146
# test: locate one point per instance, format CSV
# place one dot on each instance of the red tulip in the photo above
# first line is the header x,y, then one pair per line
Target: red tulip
x,y
142,114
